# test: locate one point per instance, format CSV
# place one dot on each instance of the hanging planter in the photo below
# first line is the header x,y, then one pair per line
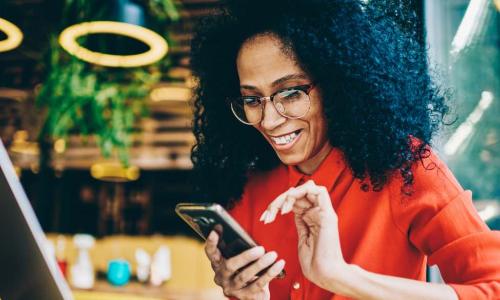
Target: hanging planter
x,y
85,98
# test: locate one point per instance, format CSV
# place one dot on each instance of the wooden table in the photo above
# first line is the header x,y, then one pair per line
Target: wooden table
x,y
102,290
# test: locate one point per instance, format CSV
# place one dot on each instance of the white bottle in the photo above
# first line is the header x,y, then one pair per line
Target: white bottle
x,y
143,264
82,272
161,267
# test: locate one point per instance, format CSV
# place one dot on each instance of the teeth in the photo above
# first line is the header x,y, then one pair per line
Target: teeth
x,y
286,139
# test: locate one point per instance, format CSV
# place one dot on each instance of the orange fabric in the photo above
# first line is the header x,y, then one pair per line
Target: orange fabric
x,y
385,232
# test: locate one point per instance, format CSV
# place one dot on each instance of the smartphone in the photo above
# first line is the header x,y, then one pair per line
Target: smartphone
x,y
205,217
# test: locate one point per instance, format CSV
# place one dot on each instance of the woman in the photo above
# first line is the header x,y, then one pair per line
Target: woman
x,y
313,121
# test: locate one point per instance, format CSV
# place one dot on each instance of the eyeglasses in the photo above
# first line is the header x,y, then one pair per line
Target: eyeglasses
x,y
292,103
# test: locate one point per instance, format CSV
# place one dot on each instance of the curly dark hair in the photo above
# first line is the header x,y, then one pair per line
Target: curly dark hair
x,y
378,96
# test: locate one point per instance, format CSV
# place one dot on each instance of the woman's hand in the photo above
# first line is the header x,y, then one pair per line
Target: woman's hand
x,y
238,275
319,249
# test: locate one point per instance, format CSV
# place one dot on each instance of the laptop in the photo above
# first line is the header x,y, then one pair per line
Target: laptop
x,y
27,270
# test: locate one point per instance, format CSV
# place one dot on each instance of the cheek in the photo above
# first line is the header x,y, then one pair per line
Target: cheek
x,y
317,131
259,129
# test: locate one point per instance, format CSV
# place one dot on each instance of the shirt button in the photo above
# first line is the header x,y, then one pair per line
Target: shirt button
x,y
296,285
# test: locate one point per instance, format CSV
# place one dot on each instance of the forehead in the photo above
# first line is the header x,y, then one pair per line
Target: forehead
x,y
263,59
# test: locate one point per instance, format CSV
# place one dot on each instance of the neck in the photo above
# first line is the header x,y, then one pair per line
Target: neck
x,y
308,167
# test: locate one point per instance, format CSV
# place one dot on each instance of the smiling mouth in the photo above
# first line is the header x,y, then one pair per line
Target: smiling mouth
x,y
286,139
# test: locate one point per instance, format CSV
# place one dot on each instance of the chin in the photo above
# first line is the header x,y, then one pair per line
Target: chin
x,y
290,159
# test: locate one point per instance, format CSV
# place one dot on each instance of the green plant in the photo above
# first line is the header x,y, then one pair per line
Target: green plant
x,y
85,99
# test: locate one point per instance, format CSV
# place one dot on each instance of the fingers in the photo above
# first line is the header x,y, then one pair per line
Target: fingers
x,y
317,195
250,272
298,199
264,279
226,269
302,228
301,205
273,208
213,253
288,205
239,272
233,264
312,216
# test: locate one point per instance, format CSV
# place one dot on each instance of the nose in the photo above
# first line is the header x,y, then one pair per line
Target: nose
x,y
271,118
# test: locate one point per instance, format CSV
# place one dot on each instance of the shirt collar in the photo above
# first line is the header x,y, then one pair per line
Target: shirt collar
x,y
325,175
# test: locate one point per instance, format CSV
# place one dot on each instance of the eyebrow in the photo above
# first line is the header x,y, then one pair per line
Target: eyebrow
x,y
278,81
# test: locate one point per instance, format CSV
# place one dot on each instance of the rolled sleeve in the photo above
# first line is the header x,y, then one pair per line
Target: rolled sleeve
x,y
440,221
465,250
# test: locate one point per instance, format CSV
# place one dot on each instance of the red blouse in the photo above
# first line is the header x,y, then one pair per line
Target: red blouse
x,y
385,232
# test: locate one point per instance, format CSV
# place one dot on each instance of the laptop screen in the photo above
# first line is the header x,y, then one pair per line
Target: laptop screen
x,y
27,271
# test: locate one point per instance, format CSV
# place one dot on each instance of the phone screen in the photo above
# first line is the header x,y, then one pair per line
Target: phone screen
x,y
232,240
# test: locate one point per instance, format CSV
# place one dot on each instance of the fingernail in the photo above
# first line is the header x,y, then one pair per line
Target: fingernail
x,y
258,249
272,256
263,216
278,265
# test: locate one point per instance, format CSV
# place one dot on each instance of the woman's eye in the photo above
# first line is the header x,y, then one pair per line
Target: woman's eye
x,y
250,101
290,94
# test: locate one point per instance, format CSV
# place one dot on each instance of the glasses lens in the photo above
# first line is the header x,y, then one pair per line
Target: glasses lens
x,y
247,109
293,103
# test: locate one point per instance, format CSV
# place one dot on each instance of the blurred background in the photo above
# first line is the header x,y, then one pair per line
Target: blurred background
x,y
62,114
97,119
464,49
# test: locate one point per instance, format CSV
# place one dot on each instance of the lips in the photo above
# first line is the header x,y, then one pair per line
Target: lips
x,y
286,141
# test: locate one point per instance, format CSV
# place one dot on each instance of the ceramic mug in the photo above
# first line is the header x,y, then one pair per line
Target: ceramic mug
x,y
118,272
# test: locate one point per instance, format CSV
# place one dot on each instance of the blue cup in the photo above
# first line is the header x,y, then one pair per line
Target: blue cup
x,y
118,272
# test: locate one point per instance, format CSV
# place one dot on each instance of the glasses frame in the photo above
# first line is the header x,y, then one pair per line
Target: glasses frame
x,y
306,88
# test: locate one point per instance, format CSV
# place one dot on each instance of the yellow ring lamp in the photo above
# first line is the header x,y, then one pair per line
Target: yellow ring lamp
x,y
14,36
114,172
158,47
